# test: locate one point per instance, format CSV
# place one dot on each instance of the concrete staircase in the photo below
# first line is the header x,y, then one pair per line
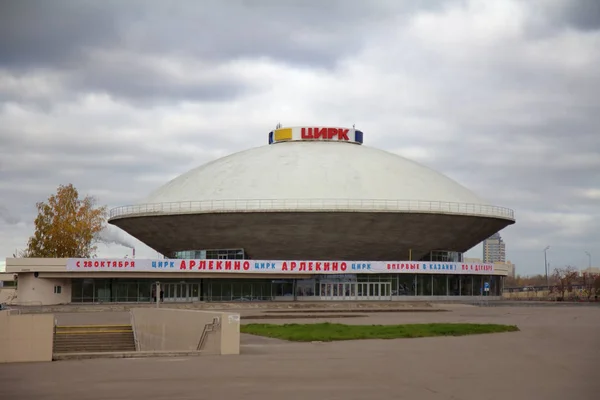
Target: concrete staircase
x,y
93,339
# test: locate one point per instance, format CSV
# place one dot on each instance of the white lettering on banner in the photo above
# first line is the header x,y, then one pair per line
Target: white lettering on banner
x,y
278,266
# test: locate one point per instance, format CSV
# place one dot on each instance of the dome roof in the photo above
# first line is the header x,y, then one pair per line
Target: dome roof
x,y
297,176
313,170
319,197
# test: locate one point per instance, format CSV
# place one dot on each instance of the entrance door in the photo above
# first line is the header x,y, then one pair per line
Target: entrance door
x,y
194,292
374,291
338,291
181,292
360,291
350,291
365,291
327,291
169,291
385,291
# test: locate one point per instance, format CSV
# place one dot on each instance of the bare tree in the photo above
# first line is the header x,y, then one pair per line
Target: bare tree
x,y
590,283
596,286
564,278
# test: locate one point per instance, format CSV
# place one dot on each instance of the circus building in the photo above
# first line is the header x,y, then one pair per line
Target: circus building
x,y
314,215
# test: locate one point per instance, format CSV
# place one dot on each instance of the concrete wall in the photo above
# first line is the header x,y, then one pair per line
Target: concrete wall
x,y
26,338
529,295
164,329
7,294
7,277
18,265
40,291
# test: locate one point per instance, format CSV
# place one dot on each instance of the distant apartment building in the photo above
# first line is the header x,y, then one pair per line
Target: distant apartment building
x,y
494,249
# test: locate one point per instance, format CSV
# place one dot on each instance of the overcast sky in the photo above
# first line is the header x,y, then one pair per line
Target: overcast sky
x,y
118,97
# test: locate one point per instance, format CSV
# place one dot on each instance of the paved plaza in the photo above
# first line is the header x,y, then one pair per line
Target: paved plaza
x,y
556,355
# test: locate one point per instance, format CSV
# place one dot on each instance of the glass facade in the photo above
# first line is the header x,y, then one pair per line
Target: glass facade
x,y
240,254
442,255
324,287
217,254
95,290
113,290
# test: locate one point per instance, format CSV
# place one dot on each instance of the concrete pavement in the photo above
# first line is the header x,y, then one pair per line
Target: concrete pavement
x,y
554,356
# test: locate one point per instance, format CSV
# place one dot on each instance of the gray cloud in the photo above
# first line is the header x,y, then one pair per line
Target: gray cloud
x,y
580,14
8,217
113,47
120,97
290,31
36,33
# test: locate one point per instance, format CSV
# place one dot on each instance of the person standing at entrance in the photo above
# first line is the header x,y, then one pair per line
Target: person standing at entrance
x,y
162,296
154,294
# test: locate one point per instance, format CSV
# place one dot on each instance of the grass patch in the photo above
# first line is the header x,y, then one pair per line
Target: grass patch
x,y
327,332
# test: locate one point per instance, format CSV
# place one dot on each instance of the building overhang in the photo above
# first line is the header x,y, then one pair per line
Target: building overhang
x,y
315,235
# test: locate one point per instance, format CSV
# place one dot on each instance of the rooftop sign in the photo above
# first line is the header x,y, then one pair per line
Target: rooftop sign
x,y
316,133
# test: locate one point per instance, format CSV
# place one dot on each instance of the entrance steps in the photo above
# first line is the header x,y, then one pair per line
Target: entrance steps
x,y
93,339
124,354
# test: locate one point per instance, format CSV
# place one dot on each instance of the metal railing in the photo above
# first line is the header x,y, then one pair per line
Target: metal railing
x,y
135,339
210,327
322,205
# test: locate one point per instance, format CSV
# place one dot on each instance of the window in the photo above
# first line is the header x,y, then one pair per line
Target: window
x,y
214,254
57,289
443,256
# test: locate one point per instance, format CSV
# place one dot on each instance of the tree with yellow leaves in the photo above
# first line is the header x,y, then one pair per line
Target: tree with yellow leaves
x,y
66,226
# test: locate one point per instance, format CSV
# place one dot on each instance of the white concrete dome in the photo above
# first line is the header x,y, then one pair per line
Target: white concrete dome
x,y
313,170
313,175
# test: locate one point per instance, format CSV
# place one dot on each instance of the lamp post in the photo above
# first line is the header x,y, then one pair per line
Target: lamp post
x,y
589,260
546,267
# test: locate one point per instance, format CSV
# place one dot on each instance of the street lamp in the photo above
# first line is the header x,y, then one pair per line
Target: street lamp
x,y
546,266
589,259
